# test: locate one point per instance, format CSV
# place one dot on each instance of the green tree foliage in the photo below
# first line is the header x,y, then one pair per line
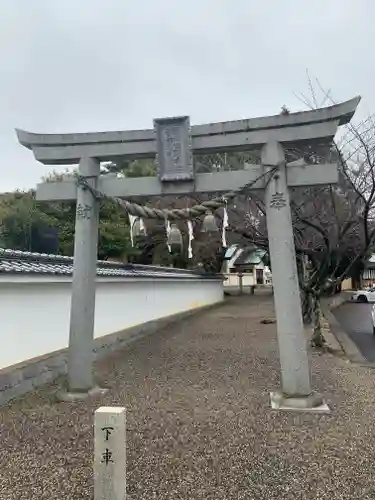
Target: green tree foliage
x,y
24,226
114,237
49,226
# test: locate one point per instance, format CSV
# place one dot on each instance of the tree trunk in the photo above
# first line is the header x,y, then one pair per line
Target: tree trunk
x,y
306,307
303,278
317,339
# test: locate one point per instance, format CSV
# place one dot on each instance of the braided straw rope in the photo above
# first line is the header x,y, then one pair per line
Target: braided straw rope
x,y
175,213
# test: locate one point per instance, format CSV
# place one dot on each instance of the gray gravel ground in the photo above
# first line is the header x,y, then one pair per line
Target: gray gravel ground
x,y
199,421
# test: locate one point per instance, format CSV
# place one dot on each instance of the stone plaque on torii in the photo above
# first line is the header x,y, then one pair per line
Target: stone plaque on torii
x,y
172,143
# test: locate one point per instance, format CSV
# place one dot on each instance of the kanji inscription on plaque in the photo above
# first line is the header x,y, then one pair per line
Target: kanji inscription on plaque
x,y
174,156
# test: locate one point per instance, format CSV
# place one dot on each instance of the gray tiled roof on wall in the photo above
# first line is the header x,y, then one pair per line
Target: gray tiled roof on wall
x,y
17,262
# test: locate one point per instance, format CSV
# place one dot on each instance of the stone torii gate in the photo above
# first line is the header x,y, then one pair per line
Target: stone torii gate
x,y
172,142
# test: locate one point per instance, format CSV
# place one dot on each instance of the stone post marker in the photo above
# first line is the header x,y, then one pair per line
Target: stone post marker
x,y
110,453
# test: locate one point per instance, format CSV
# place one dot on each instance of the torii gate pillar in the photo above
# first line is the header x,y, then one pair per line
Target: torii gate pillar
x,y
82,308
296,390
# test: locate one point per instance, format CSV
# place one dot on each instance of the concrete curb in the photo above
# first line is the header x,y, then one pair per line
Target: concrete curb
x,y
349,348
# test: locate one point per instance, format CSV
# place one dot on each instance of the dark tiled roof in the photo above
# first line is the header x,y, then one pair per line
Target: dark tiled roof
x,y
17,262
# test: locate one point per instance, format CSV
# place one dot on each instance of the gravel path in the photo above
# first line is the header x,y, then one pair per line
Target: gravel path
x,y
199,421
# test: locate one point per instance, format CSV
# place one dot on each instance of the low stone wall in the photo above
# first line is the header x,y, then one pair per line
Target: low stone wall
x,y
35,310
131,301
348,347
337,300
19,379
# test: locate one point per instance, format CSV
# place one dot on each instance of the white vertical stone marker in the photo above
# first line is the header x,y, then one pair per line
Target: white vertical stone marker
x,y
110,453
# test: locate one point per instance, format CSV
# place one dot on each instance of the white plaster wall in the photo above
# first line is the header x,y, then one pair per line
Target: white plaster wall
x,y
233,280
35,311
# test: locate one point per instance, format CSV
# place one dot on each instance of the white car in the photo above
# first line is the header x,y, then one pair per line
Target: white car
x,y
364,295
373,319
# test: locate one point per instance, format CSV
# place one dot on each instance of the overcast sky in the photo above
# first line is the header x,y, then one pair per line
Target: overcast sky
x,y
95,65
